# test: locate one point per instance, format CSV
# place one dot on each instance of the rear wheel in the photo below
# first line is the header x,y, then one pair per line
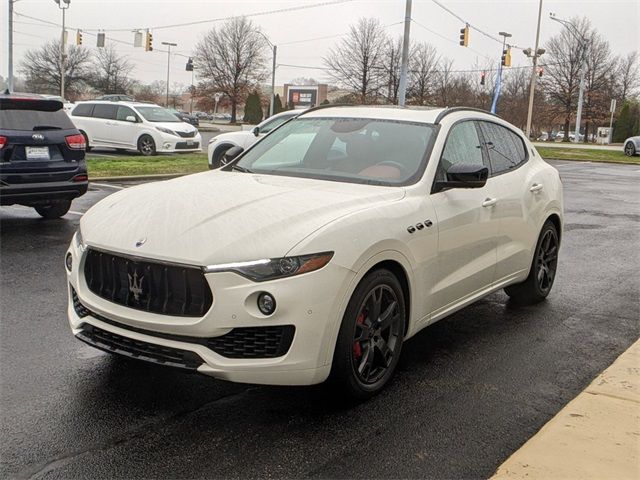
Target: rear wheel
x,y
54,210
543,269
370,337
146,145
629,149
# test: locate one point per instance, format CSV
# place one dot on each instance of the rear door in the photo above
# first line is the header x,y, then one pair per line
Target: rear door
x,y
123,133
104,119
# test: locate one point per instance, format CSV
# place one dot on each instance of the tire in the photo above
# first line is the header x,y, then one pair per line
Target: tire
x,y
54,210
217,157
629,149
365,358
86,142
146,145
543,269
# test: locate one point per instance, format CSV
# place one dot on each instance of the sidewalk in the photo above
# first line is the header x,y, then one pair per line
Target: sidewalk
x,y
596,436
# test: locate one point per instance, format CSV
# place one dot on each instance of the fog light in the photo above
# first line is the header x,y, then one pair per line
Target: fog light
x,y
167,146
68,261
266,303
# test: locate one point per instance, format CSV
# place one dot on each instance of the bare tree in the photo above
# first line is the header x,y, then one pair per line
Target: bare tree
x,y
423,65
628,76
452,89
356,62
111,71
231,60
391,63
152,92
304,81
41,69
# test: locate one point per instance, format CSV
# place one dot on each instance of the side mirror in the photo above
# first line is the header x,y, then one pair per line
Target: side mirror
x,y
256,131
232,153
461,175
131,119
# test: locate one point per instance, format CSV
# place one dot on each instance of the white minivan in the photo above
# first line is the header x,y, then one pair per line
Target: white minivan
x,y
145,127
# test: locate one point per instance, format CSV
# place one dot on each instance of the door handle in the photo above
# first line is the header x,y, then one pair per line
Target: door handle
x,y
489,202
536,187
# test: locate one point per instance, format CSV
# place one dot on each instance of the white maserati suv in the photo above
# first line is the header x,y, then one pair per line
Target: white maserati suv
x,y
314,254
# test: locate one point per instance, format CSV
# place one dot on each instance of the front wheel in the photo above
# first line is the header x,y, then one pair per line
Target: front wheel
x,y
54,210
629,149
543,269
217,157
146,145
370,337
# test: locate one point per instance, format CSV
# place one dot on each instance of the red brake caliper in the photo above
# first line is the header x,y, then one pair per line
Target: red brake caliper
x,y
357,349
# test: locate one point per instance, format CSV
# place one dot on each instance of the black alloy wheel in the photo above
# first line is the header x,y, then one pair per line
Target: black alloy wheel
x,y
217,157
371,336
543,269
629,149
146,145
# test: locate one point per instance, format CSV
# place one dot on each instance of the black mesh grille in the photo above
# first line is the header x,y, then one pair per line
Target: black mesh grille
x,y
149,352
80,309
187,134
152,287
186,146
254,342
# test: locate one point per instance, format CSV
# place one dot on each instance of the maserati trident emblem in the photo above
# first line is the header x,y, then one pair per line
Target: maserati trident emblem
x,y
135,285
37,136
141,242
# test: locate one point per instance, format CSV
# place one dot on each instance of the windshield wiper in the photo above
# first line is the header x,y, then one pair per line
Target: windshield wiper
x,y
238,168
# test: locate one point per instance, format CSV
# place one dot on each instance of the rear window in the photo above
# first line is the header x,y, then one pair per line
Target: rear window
x,y
105,111
34,120
82,110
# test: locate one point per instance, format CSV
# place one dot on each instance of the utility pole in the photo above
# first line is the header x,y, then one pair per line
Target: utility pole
x,y
582,45
168,44
274,50
63,46
10,54
402,93
532,83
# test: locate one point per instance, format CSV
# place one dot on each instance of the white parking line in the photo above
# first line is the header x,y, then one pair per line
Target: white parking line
x,y
106,185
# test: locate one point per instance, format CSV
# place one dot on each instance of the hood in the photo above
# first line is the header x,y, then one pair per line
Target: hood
x,y
221,217
183,127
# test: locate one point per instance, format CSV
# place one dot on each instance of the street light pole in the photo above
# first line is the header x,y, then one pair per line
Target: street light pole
x,y
168,44
63,46
274,50
573,30
532,83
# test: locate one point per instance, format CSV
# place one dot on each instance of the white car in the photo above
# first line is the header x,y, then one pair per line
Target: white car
x,y
632,146
145,127
219,144
318,251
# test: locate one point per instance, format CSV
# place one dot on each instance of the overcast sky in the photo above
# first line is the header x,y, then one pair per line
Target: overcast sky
x,y
617,20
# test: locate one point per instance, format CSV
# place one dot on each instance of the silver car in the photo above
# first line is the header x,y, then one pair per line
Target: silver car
x,y
632,146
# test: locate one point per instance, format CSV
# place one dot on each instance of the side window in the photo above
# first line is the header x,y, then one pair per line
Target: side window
x,y
506,149
276,122
83,110
104,111
462,146
124,112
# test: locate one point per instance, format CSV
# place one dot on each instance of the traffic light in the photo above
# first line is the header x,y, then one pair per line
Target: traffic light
x,y
464,36
148,44
506,57
189,65
482,75
78,37
540,71
100,41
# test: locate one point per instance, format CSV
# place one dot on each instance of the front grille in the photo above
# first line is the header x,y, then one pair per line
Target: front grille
x,y
186,146
80,309
187,134
112,342
254,342
151,287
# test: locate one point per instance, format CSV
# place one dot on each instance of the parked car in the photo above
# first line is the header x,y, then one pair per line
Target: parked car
x,y
116,98
632,146
219,144
145,127
41,155
203,116
319,250
185,117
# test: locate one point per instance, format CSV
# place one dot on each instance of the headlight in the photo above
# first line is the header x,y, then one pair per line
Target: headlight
x,y
272,268
79,240
166,130
213,140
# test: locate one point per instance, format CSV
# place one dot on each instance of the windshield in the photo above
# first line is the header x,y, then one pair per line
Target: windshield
x,y
358,150
157,114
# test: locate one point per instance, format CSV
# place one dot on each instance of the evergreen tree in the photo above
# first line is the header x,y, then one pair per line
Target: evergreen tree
x,y
628,124
277,105
252,109
325,102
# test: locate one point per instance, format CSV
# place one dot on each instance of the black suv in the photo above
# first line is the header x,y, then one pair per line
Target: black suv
x,y
41,155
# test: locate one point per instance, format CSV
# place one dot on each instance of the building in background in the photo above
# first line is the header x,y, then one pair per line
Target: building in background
x,y
305,96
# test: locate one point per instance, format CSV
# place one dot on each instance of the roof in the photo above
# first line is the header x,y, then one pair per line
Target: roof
x,y
121,102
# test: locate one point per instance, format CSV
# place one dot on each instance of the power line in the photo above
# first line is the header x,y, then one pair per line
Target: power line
x,y
329,36
448,39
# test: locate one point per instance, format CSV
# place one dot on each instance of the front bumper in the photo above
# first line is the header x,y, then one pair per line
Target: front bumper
x,y
311,304
172,144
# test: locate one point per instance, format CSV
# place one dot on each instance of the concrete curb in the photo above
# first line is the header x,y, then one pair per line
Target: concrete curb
x,y
596,436
129,178
589,161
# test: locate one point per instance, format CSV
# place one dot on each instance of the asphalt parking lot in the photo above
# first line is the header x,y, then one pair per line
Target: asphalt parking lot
x,y
470,389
